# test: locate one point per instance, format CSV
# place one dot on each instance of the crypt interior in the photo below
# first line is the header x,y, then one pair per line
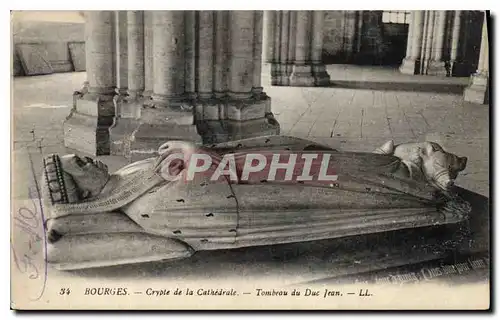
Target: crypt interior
x,y
153,76
118,84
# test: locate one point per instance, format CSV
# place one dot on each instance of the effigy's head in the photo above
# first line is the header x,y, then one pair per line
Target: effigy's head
x,y
71,178
441,166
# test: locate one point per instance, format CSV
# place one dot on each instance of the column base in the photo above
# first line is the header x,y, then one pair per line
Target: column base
x,y
87,127
313,75
280,74
120,135
224,119
217,131
200,121
438,68
128,110
227,108
157,126
409,66
478,90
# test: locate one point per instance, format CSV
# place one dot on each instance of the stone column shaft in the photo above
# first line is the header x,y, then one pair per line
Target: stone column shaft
x,y
439,35
317,36
257,53
455,35
206,54
148,54
190,54
130,107
428,40
483,64
414,43
121,52
268,35
135,53
242,38
283,64
87,128
221,62
434,54
303,37
298,49
409,41
478,90
418,25
236,107
169,115
99,50
168,57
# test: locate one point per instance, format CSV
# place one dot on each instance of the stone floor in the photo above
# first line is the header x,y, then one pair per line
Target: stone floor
x,y
340,116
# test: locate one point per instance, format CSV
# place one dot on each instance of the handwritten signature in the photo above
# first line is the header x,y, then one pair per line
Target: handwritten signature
x,y
28,219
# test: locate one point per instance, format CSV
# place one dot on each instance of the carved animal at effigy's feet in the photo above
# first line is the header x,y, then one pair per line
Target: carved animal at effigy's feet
x,y
150,210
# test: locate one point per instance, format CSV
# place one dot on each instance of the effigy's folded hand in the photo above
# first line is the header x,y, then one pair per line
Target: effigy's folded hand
x,y
174,158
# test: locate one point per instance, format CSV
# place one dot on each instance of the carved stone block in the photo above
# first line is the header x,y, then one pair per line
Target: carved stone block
x,y
478,89
243,110
408,66
34,59
77,52
87,127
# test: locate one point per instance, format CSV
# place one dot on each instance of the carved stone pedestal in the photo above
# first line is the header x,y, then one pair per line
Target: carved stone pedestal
x,y
309,76
126,121
158,125
87,127
478,90
280,74
409,66
224,119
436,68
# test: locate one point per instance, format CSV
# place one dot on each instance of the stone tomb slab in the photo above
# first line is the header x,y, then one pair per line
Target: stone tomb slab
x,y
34,59
77,52
60,59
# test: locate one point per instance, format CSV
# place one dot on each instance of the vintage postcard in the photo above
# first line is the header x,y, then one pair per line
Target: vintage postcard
x,y
250,160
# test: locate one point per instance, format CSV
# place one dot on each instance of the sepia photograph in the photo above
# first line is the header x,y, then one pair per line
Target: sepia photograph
x,y
250,160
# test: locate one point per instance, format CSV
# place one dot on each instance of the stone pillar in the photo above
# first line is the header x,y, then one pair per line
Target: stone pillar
x,y
121,52
281,66
87,128
168,58
414,43
128,108
321,77
169,115
268,35
478,89
190,38
455,37
257,88
240,108
207,81
427,41
222,50
206,54
135,54
148,54
299,61
241,24
436,65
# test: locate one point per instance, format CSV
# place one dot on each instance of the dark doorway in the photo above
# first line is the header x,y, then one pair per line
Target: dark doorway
x,y
383,38
395,39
